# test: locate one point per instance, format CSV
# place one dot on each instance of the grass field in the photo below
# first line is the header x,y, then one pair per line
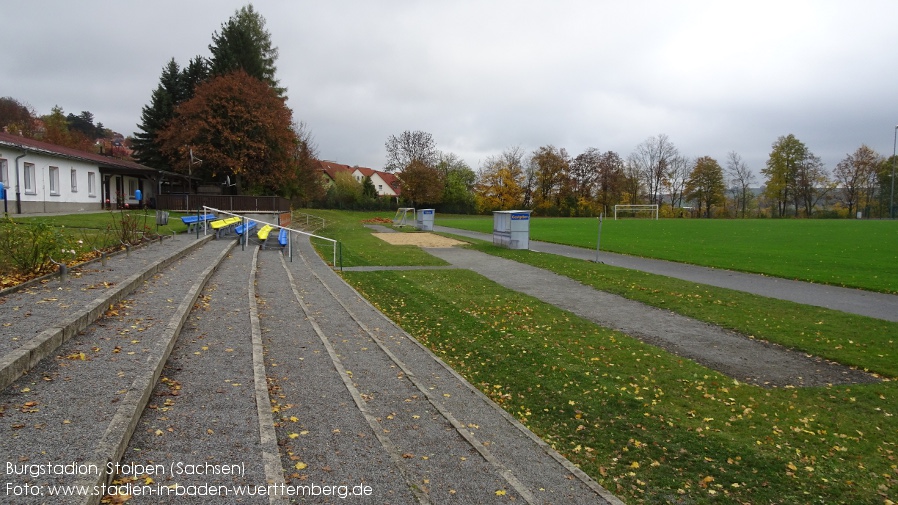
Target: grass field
x,y
860,254
648,425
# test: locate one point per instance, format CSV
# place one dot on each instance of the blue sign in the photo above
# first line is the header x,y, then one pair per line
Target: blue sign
x,y
520,217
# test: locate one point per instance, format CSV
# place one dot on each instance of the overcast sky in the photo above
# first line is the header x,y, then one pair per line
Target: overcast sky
x,y
715,76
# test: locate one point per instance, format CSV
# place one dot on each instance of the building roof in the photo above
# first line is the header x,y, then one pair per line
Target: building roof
x,y
332,169
116,165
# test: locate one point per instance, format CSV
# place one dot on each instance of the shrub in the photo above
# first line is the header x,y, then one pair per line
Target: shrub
x,y
29,248
130,228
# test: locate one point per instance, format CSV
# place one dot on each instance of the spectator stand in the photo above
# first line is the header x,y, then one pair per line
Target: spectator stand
x,y
265,231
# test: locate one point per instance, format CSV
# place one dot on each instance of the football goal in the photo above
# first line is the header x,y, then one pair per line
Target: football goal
x,y
402,217
637,210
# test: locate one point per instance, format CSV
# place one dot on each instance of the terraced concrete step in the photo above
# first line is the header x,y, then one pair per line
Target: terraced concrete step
x,y
70,416
38,319
202,424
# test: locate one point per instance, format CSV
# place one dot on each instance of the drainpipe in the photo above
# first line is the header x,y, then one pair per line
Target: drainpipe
x,y
18,193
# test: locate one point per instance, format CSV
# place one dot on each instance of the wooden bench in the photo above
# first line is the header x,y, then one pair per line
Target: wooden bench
x,y
193,221
223,226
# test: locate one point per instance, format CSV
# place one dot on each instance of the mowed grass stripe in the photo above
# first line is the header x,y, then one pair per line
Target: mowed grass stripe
x,y
648,425
852,253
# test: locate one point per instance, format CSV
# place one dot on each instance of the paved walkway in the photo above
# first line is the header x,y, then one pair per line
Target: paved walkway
x,y
854,301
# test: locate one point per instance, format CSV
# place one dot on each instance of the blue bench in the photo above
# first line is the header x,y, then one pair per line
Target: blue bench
x,y
193,221
282,238
249,226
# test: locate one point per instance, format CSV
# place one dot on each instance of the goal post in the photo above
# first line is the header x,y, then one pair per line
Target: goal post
x,y
637,209
402,216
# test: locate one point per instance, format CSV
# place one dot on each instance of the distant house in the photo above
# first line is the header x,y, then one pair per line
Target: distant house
x,y
43,177
386,184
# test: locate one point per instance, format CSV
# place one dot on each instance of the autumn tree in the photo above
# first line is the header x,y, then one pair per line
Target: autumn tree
x,y
787,156
305,187
856,174
705,184
499,181
345,192
421,184
551,167
741,178
245,44
584,172
17,117
610,180
408,147
56,131
240,128
458,192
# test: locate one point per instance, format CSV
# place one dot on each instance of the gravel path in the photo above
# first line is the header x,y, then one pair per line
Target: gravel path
x,y
854,301
728,352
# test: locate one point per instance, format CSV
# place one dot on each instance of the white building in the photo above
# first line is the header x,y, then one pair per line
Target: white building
x,y
43,177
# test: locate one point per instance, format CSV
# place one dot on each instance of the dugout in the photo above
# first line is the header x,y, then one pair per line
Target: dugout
x,y
424,219
511,228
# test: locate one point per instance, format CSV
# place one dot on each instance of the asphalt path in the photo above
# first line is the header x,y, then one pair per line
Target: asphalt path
x,y
853,301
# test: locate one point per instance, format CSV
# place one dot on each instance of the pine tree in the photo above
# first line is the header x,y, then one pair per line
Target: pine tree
x,y
156,116
245,44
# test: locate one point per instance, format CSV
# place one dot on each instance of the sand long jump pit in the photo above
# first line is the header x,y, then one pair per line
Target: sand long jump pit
x,y
418,239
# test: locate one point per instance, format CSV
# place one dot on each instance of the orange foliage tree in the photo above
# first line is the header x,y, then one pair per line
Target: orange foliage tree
x,y
240,128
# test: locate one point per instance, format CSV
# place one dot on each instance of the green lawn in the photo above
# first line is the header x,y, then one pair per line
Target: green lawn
x,y
650,426
853,253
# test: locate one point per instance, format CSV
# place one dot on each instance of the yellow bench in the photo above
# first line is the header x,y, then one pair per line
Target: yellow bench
x,y
263,233
221,226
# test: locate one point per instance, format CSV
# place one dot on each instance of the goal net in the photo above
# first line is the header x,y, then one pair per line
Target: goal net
x,y
405,216
643,211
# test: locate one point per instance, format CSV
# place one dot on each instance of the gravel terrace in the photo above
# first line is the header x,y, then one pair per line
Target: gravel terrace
x,y
59,411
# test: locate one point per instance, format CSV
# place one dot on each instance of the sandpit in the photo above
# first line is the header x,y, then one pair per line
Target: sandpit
x,y
418,239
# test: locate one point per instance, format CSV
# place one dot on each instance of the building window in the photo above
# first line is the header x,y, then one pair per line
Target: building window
x,y
30,187
74,181
54,181
4,173
91,184
132,188
380,188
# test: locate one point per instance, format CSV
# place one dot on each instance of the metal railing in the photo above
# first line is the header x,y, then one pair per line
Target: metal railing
x,y
244,238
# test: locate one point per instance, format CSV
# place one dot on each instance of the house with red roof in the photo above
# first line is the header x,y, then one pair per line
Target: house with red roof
x,y
42,177
386,184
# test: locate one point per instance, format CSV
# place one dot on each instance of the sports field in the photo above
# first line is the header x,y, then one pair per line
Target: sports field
x,y
860,254
651,426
